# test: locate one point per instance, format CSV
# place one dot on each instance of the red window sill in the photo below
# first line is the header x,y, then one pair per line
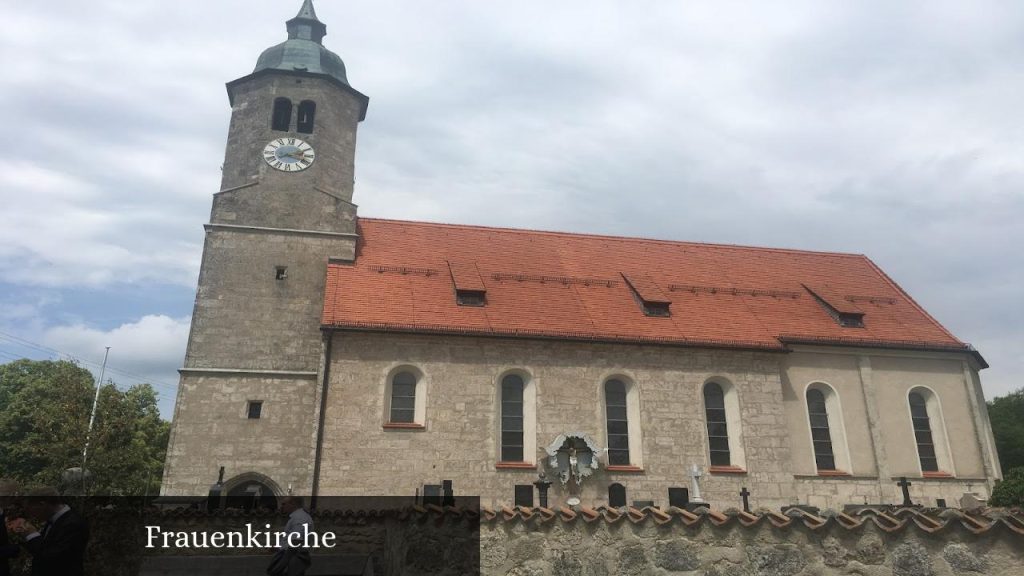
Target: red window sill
x,y
832,473
623,468
726,470
936,475
515,466
404,426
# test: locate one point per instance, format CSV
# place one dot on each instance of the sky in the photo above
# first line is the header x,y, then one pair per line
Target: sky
x,y
887,129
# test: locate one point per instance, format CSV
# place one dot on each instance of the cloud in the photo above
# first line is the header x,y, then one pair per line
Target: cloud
x,y
146,351
871,127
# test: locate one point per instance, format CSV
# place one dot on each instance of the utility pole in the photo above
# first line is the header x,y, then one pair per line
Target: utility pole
x,y
92,417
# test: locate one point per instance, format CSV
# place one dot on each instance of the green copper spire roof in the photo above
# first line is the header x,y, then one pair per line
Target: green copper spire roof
x,y
304,50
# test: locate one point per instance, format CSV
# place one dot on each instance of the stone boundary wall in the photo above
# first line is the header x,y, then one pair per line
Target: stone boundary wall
x,y
631,542
527,548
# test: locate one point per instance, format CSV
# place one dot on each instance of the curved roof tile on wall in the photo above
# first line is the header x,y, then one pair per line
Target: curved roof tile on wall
x,y
573,286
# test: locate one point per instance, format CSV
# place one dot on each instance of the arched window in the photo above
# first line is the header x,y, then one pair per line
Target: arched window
x,y
403,398
617,413
821,435
722,412
517,419
828,432
512,418
929,432
718,427
307,111
282,117
923,433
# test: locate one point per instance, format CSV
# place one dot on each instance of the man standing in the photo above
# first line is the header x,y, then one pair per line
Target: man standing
x,y
293,561
58,548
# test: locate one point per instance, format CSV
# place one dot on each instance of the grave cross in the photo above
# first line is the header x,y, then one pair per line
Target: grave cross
x,y
695,474
449,494
905,486
744,493
542,484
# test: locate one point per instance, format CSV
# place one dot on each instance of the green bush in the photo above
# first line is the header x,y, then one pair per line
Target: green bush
x,y
1009,492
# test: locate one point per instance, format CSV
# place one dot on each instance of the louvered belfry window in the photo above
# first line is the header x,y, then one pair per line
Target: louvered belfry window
x,y
618,423
512,418
282,117
824,457
403,398
718,429
923,433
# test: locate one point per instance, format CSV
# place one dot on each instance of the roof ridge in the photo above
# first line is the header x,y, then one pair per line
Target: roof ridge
x,y
611,237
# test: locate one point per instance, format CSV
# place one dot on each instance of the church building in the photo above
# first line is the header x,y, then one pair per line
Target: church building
x,y
333,354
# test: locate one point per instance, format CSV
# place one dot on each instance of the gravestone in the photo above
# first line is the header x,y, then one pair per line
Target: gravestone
x,y
678,497
432,494
524,495
616,495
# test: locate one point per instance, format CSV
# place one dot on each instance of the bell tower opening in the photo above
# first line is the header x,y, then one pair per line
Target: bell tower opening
x,y
281,119
307,111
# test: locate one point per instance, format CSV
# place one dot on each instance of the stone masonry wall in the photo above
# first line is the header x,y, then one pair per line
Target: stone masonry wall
x,y
333,137
625,548
212,430
460,436
459,440
245,318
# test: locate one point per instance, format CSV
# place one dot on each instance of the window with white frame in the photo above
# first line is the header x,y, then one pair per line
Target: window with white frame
x,y
512,418
405,402
828,434
722,411
929,432
517,435
622,423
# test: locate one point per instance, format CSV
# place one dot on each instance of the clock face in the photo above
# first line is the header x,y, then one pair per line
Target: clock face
x,y
289,154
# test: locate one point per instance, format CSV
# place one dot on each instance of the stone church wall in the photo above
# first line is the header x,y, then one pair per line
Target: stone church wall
x,y
459,439
246,318
274,449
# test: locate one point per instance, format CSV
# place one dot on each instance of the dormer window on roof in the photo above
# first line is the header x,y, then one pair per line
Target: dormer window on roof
x,y
649,295
842,310
469,287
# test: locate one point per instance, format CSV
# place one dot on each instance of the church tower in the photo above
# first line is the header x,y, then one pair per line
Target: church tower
x,y
248,393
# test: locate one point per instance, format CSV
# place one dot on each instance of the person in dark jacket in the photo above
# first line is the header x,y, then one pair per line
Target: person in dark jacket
x,y
58,547
8,489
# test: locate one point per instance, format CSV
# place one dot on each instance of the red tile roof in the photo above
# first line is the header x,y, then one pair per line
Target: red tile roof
x,y
585,287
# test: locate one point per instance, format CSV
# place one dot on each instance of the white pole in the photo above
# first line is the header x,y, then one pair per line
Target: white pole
x,y
92,417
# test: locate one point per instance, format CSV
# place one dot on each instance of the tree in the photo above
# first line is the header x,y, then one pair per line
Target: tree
x,y
44,413
44,416
1009,492
1007,416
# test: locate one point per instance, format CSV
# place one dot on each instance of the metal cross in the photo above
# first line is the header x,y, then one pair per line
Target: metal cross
x,y
542,484
905,486
744,493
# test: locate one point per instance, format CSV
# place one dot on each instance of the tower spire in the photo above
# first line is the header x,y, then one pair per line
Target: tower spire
x,y
307,10
306,26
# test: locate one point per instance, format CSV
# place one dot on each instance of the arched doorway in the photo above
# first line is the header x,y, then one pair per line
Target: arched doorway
x,y
251,491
